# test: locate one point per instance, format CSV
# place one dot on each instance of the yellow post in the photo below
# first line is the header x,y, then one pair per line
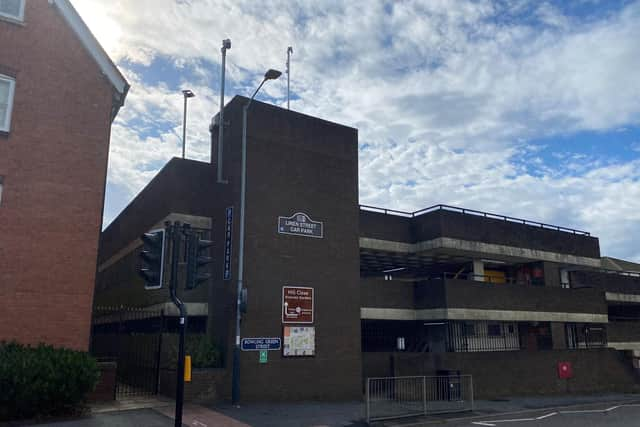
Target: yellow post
x,y
187,369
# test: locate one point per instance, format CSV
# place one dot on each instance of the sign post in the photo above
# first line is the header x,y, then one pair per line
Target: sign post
x,y
297,304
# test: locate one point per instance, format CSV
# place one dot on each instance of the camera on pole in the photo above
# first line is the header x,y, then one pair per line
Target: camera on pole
x,y
152,257
197,261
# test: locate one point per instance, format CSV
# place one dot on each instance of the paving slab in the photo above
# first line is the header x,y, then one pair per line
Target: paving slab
x,y
305,414
199,416
132,418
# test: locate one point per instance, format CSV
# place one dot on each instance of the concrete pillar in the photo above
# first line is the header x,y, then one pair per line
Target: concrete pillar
x,y
558,336
478,270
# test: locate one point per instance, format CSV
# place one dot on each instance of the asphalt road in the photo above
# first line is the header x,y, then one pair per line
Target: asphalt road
x,y
623,415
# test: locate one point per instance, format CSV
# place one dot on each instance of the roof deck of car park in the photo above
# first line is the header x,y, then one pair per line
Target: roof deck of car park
x,y
442,233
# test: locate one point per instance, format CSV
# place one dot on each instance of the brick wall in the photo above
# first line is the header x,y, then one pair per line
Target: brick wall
x,y
106,388
206,385
54,163
502,374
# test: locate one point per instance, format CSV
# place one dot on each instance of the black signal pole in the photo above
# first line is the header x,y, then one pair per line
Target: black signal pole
x,y
175,233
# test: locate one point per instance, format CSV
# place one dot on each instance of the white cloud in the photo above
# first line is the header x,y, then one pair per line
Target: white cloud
x,y
446,96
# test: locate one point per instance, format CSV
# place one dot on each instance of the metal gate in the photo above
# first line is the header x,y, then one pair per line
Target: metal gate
x,y
132,337
398,397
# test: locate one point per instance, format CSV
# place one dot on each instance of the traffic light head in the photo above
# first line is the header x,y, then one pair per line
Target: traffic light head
x,y
152,257
197,261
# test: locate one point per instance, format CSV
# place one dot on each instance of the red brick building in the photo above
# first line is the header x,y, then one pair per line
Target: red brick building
x,y
59,93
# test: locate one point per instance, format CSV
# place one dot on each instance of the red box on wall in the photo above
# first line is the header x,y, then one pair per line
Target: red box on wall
x,y
565,370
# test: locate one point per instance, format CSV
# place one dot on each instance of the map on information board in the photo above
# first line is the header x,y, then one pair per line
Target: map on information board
x,y
299,341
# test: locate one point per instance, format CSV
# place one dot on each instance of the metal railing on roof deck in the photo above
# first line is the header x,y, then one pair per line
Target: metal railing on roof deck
x,y
476,213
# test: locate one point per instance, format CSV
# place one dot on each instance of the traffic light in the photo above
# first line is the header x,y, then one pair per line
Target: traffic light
x,y
197,260
152,257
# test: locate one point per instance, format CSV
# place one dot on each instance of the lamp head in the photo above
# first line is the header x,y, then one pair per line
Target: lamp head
x,y
188,93
272,74
226,44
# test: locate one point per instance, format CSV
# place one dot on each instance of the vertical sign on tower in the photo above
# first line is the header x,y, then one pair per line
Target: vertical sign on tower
x,y
228,233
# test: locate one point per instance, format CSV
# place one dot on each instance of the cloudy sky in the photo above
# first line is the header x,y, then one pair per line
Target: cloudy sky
x,y
530,109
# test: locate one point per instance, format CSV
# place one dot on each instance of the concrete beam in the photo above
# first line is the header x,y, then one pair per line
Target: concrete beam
x,y
633,346
620,297
195,221
479,314
478,248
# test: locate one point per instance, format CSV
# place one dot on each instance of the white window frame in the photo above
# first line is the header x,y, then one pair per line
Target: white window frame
x,y
19,18
7,118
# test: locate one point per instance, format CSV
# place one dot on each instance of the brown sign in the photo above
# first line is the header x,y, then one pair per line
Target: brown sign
x,y
297,304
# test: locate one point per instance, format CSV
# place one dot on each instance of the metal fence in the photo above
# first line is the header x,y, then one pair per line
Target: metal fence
x,y
398,397
133,338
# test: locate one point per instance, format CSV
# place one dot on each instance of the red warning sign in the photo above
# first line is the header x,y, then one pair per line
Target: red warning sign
x,y
565,370
297,304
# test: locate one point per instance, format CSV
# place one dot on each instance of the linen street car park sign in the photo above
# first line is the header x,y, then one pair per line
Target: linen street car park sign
x,y
297,304
299,224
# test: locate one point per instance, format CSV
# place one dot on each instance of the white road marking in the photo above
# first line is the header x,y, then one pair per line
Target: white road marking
x,y
547,416
551,414
198,424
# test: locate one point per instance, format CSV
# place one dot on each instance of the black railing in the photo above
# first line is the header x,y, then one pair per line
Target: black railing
x,y
476,213
133,338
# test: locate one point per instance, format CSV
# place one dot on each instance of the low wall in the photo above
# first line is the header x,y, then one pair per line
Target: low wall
x,y
206,385
516,373
106,388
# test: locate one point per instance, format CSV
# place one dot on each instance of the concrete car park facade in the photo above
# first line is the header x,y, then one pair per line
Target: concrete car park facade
x,y
394,293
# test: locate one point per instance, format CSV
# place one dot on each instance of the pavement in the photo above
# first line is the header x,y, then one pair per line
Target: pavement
x,y
568,411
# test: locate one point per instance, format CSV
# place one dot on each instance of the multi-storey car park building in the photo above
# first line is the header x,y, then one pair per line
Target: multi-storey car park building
x,y
394,293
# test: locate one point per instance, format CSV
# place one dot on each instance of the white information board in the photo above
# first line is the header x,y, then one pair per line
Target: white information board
x,y
299,341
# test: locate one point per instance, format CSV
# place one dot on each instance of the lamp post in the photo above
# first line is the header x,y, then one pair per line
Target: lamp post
x,y
235,389
187,94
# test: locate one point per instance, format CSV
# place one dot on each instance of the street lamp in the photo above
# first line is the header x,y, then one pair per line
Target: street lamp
x,y
235,389
187,94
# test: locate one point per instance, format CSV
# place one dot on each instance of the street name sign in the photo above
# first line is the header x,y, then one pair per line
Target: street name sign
x,y
259,344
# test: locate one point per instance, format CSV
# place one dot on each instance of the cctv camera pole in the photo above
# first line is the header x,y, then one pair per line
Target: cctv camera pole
x,y
174,233
226,44
289,52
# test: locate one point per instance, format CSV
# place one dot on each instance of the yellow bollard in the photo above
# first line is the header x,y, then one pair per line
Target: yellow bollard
x,y
187,369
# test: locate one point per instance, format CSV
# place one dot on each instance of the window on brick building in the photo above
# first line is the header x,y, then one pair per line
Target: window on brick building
x,y
12,9
7,85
